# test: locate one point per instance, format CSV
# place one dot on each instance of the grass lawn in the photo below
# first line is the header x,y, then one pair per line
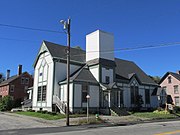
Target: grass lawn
x,y
44,116
153,116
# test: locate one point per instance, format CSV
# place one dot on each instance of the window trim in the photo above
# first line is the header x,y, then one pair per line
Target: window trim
x,y
177,97
176,91
41,95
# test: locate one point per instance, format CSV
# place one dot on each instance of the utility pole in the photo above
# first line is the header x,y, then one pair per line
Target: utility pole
x,y
67,28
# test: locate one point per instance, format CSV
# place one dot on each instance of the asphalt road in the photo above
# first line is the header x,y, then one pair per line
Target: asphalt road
x,y
10,121
14,125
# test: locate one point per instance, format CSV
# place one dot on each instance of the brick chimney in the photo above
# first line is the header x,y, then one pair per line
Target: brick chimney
x,y
19,70
7,74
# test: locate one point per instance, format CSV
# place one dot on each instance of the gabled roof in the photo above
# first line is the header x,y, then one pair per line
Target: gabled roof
x,y
109,86
176,75
59,52
82,75
127,69
11,79
124,68
101,61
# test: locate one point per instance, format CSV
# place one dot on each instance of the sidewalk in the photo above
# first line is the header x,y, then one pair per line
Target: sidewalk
x,y
107,120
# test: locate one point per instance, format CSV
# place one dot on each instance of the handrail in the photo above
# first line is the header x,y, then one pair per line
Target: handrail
x,y
118,111
60,104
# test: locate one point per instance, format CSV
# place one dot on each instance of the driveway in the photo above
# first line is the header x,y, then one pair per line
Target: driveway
x,y
14,121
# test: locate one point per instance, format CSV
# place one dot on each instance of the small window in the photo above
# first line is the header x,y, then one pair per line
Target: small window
x,y
39,94
169,79
176,91
107,79
147,96
84,92
44,93
12,88
22,80
40,74
176,101
134,94
27,81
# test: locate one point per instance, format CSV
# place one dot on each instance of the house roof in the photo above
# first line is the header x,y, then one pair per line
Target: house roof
x,y
126,69
82,75
110,86
10,79
176,75
59,51
101,61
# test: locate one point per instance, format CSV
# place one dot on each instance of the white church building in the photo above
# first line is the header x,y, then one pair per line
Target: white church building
x,y
111,82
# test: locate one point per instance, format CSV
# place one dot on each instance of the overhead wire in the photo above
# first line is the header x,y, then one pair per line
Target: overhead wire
x,y
104,51
30,28
133,48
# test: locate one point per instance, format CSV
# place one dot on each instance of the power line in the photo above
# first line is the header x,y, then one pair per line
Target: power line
x,y
22,40
134,48
30,28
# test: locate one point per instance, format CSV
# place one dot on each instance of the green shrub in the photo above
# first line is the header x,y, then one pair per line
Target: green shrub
x,y
30,110
6,103
53,113
44,112
177,109
40,111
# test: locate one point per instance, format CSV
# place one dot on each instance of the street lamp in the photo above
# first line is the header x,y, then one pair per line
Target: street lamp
x,y
88,97
66,25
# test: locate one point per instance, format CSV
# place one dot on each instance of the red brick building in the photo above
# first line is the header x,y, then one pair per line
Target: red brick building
x,y
16,86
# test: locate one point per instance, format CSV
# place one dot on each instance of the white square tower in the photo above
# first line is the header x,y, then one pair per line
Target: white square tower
x,y
99,44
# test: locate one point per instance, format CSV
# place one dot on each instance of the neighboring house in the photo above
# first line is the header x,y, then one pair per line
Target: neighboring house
x,y
16,86
110,82
170,83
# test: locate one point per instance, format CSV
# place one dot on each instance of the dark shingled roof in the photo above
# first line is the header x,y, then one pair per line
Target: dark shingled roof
x,y
59,51
176,75
101,61
10,79
82,75
126,68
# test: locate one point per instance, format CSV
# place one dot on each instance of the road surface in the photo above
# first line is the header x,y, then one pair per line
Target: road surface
x,y
25,126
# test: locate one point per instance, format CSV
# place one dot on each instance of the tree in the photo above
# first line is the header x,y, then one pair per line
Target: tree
x,y
78,47
156,79
138,103
1,77
6,103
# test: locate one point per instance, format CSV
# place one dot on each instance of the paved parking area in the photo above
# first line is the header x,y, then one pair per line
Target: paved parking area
x,y
13,121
